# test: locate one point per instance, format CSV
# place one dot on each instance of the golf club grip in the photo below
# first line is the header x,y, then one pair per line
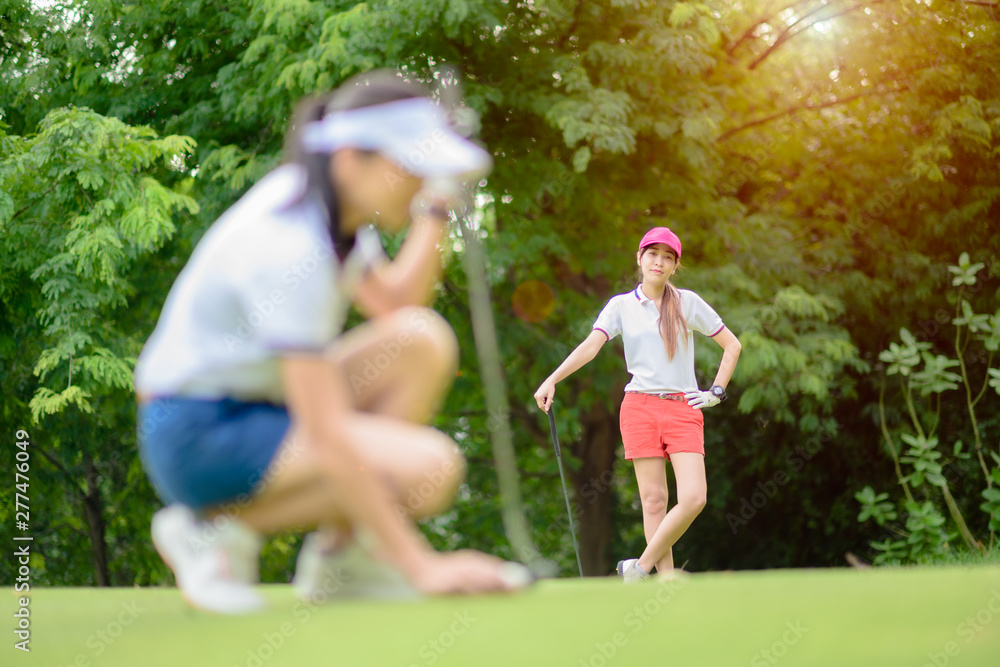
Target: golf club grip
x,y
552,428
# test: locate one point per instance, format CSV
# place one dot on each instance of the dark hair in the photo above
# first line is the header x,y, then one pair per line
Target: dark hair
x,y
672,322
363,90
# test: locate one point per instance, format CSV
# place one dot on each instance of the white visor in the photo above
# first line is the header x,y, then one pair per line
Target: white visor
x,y
414,133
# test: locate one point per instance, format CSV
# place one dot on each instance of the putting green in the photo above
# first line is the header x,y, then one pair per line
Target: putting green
x,y
916,617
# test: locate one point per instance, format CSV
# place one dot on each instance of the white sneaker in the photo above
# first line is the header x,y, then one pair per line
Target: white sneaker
x,y
630,572
348,572
215,565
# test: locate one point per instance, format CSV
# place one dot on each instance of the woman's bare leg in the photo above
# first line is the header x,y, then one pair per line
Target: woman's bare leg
x,y
420,467
692,493
651,475
398,367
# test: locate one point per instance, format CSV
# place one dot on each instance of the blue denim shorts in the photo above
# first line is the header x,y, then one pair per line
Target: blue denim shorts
x,y
205,452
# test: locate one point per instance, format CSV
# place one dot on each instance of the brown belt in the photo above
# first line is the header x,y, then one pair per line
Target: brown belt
x,y
664,396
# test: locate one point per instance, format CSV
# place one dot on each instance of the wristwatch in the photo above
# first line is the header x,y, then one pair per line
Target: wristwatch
x,y
718,392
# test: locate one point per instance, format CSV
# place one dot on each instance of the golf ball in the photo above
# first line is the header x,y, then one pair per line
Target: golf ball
x,y
516,576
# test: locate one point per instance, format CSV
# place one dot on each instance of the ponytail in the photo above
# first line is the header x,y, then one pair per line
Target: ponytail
x,y
317,168
672,322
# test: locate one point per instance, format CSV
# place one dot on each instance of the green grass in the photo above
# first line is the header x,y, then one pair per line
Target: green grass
x,y
962,557
840,618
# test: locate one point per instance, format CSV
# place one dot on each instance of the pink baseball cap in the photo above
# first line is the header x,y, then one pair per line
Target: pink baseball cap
x,y
661,235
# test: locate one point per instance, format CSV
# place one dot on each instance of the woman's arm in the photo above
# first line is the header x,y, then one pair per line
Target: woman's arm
x,y
576,359
410,278
317,399
731,354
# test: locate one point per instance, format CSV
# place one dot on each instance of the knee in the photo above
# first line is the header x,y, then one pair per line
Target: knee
x,y
452,464
431,337
693,502
654,502
444,472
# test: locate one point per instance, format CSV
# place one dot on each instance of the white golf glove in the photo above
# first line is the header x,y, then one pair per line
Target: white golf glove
x,y
437,194
699,400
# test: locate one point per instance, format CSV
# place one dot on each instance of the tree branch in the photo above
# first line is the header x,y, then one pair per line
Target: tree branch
x,y
888,439
66,473
787,33
54,186
748,33
981,3
802,107
572,27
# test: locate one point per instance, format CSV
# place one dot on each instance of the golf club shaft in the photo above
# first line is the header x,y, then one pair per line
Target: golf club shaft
x,y
487,349
562,476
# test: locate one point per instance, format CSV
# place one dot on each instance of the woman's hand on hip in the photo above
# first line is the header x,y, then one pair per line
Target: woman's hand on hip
x,y
699,400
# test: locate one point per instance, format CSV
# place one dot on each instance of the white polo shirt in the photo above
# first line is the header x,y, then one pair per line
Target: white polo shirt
x,y
636,318
264,281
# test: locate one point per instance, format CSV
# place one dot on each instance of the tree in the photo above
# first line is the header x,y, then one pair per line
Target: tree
x,y
875,127
81,211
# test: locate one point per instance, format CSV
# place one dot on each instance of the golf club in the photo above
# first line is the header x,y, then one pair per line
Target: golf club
x,y
562,476
487,351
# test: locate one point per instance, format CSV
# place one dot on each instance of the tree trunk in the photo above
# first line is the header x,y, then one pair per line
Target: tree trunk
x,y
593,484
95,524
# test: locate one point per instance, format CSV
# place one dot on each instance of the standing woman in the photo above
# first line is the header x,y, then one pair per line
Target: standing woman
x,y
257,414
661,414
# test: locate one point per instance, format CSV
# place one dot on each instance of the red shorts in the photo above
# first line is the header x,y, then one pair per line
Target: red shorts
x,y
658,427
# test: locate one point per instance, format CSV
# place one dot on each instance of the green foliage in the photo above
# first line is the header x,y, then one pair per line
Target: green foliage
x,y
926,527
992,504
923,457
931,376
86,213
902,359
925,538
935,377
875,507
101,217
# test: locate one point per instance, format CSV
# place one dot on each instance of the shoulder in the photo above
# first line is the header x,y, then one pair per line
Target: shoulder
x,y
624,298
276,195
692,297
267,229
279,187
